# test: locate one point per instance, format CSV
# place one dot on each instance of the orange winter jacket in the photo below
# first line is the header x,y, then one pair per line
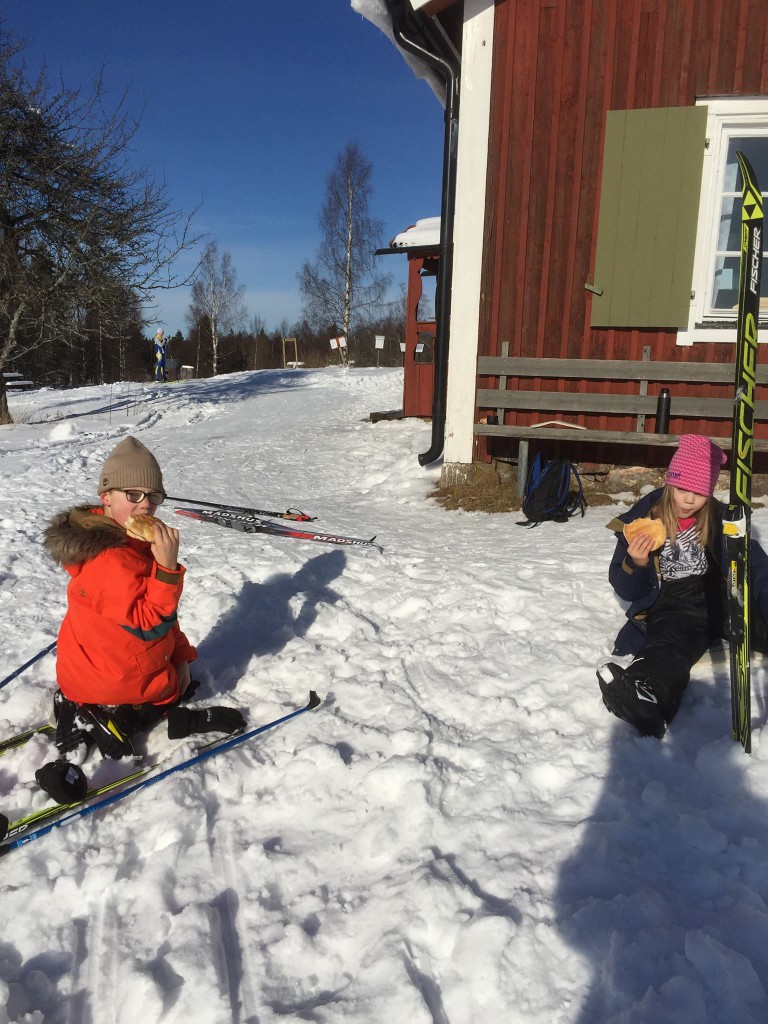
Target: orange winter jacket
x,y
120,640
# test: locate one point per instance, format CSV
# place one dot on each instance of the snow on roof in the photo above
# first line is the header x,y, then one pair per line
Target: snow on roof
x,y
423,232
376,12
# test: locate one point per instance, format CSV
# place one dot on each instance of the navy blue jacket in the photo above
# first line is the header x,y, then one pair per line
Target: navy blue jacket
x,y
640,586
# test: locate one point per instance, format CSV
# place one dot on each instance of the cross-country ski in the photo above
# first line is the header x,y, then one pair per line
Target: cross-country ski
x,y
291,514
245,523
738,527
14,834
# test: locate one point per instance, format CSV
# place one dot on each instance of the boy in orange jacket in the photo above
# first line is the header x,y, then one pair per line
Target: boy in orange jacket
x,y
122,660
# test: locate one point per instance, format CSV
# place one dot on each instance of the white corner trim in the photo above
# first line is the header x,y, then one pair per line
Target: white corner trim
x,y
474,115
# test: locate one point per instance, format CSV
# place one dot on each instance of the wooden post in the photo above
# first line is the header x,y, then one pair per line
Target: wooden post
x,y
502,382
295,352
522,467
640,423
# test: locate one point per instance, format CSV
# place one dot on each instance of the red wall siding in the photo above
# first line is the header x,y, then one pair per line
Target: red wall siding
x,y
559,65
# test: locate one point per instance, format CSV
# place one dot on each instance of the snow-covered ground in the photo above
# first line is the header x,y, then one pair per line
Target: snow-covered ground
x,y
460,834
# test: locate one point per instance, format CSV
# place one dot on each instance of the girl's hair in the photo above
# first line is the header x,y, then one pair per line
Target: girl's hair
x,y
706,517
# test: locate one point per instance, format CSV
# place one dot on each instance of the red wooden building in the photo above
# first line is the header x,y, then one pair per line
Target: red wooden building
x,y
420,243
597,202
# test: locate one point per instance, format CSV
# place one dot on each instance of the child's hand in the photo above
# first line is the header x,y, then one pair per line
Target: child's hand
x,y
165,547
639,549
182,670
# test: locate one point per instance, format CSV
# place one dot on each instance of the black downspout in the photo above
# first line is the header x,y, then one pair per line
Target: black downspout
x,y
447,212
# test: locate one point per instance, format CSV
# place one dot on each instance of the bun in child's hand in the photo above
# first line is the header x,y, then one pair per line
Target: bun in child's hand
x,y
141,527
653,527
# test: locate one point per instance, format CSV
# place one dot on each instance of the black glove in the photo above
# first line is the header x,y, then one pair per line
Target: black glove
x,y
65,782
184,721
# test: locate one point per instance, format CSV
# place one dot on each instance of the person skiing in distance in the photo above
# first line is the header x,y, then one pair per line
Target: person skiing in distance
x,y
677,591
160,345
122,659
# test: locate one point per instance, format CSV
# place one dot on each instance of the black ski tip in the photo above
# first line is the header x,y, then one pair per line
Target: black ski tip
x,y
4,824
314,700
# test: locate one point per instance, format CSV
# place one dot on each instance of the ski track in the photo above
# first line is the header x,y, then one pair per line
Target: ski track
x,y
459,833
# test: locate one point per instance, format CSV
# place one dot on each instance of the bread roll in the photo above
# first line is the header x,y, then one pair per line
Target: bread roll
x,y
141,527
653,527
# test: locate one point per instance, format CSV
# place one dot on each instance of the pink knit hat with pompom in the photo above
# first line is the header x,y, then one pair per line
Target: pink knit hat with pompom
x,y
696,464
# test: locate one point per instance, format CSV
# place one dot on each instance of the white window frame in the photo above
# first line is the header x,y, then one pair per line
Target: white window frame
x,y
737,115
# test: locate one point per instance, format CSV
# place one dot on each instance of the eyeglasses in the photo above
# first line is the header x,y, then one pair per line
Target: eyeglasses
x,y
136,497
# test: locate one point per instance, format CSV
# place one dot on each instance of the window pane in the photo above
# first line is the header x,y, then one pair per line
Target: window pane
x,y
725,293
755,148
729,233
725,282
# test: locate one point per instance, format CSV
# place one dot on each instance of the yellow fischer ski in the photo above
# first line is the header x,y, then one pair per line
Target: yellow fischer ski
x,y
736,523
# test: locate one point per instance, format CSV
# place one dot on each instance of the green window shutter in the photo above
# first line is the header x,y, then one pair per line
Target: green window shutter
x,y
649,206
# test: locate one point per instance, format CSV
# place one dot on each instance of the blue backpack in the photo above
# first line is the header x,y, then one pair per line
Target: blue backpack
x,y
553,492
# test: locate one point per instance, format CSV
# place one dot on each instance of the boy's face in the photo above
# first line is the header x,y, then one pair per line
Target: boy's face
x,y
118,507
687,503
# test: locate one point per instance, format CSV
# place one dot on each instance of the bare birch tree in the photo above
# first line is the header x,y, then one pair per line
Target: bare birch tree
x,y
217,299
343,286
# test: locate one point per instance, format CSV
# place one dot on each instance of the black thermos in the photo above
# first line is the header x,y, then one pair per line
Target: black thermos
x,y
662,412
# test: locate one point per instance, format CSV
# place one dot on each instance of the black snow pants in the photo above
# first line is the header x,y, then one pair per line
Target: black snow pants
x,y
689,616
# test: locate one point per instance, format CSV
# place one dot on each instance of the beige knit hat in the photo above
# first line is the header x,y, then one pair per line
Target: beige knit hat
x,y
131,464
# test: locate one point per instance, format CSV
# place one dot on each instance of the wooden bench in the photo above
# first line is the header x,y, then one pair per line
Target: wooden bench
x,y
550,403
15,382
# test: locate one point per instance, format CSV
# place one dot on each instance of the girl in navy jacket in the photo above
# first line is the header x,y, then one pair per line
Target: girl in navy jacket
x,y
677,593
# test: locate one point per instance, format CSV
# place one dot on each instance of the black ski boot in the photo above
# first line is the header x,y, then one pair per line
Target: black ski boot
x,y
107,729
72,740
632,698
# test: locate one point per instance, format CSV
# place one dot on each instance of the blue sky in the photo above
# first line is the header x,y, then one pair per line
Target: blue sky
x,y
246,104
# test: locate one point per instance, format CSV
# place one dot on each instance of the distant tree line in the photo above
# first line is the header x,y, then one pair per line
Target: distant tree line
x,y
255,348
95,356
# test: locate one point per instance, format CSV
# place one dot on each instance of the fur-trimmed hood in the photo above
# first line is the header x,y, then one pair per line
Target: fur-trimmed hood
x,y
81,534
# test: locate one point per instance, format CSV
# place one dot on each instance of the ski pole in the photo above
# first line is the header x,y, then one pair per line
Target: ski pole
x,y
26,664
112,798
295,514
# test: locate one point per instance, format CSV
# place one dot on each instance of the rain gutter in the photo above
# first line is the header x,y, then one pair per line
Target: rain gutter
x,y
405,26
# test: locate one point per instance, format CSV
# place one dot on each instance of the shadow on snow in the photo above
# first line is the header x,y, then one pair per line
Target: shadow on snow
x,y
666,895
265,618
235,387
